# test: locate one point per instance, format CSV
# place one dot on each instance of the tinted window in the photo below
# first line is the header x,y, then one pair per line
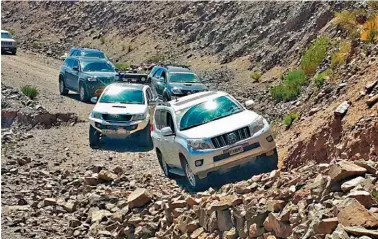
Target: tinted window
x,y
97,66
170,122
75,63
209,111
69,63
183,78
97,54
149,94
116,94
6,35
158,73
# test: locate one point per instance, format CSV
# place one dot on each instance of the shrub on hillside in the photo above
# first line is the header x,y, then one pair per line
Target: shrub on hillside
x,y
347,21
290,118
30,91
102,40
314,55
290,88
255,76
156,58
339,57
369,31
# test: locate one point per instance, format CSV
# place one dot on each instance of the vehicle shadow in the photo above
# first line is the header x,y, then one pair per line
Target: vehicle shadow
x,y
130,144
76,97
217,181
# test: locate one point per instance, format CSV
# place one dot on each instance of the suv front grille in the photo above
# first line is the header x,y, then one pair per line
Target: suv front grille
x,y
116,118
6,43
231,137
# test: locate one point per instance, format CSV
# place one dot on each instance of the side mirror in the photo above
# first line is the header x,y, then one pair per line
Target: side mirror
x,y
166,131
94,100
249,104
75,68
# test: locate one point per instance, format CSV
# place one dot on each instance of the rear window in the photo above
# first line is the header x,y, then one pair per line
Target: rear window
x,y
6,35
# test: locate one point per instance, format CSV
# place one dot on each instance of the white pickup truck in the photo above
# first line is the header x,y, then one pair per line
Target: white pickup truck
x,y
121,110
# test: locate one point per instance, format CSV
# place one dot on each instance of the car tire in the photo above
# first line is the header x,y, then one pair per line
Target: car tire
x,y
94,137
83,94
163,165
62,87
194,182
145,136
265,164
14,52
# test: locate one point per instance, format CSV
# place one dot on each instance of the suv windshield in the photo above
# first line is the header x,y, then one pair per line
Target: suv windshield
x,y
209,111
97,54
122,95
184,78
6,35
97,66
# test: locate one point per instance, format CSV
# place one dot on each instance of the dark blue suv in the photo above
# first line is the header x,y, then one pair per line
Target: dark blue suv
x,y
169,81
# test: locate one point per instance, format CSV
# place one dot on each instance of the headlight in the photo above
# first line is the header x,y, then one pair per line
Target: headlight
x,y
176,90
198,144
92,78
139,117
257,125
143,79
96,115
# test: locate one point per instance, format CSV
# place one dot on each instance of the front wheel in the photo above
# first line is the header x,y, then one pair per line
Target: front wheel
x,y
83,93
164,166
62,88
14,52
94,137
145,137
194,181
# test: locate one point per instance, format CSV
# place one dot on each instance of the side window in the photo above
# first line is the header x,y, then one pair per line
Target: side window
x,y
69,63
160,119
158,73
75,63
169,121
164,75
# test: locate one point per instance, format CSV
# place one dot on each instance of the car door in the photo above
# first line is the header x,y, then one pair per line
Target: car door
x,y
73,79
156,134
155,82
68,72
170,148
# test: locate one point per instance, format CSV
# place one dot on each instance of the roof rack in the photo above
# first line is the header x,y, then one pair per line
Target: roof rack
x,y
173,64
164,103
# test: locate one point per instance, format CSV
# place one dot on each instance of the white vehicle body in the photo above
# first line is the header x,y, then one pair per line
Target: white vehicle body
x,y
8,43
119,120
227,142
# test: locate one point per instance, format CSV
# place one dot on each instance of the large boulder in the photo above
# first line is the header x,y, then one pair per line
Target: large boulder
x,y
352,213
344,170
139,198
281,229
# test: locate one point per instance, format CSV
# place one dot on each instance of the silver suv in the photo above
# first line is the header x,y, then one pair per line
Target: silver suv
x,y
8,44
210,132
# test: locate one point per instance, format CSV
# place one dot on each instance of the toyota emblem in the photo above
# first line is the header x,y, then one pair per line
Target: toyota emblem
x,y
231,138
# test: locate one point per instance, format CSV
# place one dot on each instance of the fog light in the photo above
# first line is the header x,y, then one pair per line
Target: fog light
x,y
269,138
98,125
198,162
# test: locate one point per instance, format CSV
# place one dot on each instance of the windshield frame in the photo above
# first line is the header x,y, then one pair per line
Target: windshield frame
x,y
124,88
8,35
170,74
84,64
181,115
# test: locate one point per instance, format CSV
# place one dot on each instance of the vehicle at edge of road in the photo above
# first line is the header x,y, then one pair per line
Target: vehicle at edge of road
x,y
122,109
86,75
8,44
171,81
86,52
210,133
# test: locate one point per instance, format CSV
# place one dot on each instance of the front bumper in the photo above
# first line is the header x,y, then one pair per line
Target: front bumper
x,y
118,130
220,160
8,48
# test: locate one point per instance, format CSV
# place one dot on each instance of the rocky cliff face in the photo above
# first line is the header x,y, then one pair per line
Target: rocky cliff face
x,y
270,33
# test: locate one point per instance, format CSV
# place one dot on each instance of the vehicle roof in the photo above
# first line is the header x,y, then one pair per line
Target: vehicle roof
x,y
129,85
88,59
194,99
85,49
177,69
4,31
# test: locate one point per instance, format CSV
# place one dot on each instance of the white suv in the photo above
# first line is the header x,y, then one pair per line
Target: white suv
x,y
8,44
210,132
122,109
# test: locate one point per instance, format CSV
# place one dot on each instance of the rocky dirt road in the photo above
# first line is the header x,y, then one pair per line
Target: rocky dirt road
x,y
61,155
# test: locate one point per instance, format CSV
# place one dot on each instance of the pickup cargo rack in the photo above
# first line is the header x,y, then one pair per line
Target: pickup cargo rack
x,y
132,77
173,64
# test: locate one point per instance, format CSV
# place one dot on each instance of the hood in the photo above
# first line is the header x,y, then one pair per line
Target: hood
x,y
189,86
100,74
221,126
7,40
118,108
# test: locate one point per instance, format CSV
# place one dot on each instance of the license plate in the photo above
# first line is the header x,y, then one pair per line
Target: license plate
x,y
117,131
236,150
